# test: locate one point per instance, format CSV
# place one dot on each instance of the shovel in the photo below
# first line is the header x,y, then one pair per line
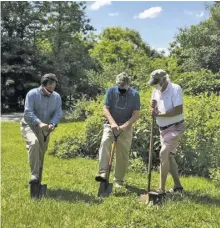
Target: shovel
x,y
42,187
105,188
151,197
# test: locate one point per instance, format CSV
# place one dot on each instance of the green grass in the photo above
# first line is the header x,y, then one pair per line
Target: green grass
x,y
72,194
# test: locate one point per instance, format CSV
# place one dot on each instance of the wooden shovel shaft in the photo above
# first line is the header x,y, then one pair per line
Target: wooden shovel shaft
x,y
111,158
150,155
112,153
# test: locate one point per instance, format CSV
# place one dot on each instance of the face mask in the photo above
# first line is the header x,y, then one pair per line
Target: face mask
x,y
47,92
157,86
122,91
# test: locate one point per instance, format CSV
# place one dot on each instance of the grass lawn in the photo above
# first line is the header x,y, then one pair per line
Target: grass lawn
x,y
72,194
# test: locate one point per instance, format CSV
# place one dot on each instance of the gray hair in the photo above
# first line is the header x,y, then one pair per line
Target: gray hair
x,y
123,79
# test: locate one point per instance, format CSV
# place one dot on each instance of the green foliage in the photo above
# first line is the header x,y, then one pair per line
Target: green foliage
x,y
89,141
141,135
198,47
19,71
117,44
86,143
215,175
67,54
72,193
124,50
198,82
137,165
78,111
42,37
199,148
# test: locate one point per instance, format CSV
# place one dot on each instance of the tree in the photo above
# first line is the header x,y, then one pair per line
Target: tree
x,y
123,49
18,72
118,44
198,47
64,36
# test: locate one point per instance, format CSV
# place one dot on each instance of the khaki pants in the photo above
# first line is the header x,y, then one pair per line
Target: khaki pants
x,y
123,146
36,145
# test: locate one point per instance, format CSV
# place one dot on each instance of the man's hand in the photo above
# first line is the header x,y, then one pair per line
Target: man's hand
x,y
154,109
153,104
154,112
43,126
51,127
122,127
114,127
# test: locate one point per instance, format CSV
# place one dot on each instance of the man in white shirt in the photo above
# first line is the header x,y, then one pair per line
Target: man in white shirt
x,y
167,107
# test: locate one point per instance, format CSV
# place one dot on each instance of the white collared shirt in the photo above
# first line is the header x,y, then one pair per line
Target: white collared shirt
x,y
171,97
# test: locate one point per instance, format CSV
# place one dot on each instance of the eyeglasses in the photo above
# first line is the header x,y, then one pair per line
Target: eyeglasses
x,y
121,101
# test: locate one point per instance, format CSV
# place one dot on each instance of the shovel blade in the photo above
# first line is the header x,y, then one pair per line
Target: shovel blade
x,y
105,189
42,190
34,190
151,198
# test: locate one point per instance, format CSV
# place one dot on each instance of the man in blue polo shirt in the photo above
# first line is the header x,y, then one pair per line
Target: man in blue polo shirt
x,y
121,109
41,115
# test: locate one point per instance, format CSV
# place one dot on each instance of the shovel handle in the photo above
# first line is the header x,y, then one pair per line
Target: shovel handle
x,y
112,152
150,154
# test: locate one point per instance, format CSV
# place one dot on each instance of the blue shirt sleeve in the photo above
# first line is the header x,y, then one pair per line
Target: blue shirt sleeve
x,y
137,101
108,98
29,114
58,112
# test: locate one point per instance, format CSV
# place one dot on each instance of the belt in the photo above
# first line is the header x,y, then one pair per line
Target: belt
x,y
165,127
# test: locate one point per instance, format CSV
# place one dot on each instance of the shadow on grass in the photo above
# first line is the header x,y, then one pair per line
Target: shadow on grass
x,y
130,189
134,189
197,197
71,196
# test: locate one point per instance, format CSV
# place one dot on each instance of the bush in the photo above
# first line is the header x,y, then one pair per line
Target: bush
x,y
198,151
215,175
84,108
137,165
141,135
78,112
87,143
198,82
199,148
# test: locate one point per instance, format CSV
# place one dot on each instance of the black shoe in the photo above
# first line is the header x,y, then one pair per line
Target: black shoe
x,y
100,177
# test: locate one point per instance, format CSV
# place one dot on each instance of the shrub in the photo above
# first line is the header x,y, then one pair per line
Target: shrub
x,y
215,175
84,108
198,151
198,82
85,144
199,148
77,112
137,165
141,135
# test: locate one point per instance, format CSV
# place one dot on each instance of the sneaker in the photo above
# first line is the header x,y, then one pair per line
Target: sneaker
x,y
119,184
33,180
159,192
176,189
100,177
